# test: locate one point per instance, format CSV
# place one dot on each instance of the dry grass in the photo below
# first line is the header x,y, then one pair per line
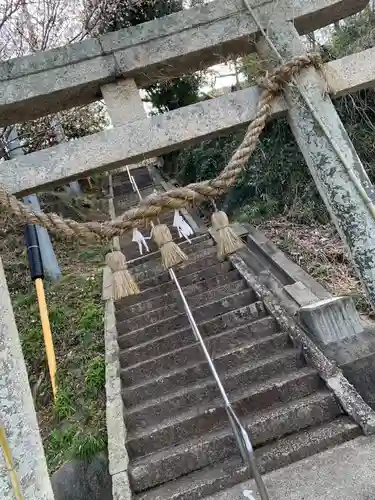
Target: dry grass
x,y
320,252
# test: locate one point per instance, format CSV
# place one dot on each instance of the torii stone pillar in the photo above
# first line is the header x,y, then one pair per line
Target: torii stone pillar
x,y
124,104
347,208
17,413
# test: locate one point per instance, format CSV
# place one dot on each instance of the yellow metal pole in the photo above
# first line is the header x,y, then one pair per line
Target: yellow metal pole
x,y
48,341
10,465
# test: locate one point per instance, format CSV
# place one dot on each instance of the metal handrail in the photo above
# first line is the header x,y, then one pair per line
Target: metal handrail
x,y
240,433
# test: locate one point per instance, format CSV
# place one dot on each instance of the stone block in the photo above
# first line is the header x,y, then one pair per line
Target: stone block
x,y
123,101
356,358
131,142
83,479
121,487
107,283
329,155
61,87
116,430
50,59
361,374
332,320
301,294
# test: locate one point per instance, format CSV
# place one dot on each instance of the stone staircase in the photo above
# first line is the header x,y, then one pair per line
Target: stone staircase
x,y
179,441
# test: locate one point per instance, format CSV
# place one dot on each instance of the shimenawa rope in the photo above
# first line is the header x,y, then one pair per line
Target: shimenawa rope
x,y
180,197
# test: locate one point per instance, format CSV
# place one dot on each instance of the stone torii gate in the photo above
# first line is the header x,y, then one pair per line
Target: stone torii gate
x,y
74,75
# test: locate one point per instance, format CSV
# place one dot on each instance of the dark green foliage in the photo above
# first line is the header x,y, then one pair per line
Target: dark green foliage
x,y
354,34
277,180
264,190
176,93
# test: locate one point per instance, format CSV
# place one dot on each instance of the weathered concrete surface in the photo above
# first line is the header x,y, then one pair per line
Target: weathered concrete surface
x,y
191,217
116,430
346,394
17,413
356,358
107,283
118,459
149,137
332,320
69,76
123,101
352,402
355,355
355,72
344,472
302,295
124,104
348,209
121,487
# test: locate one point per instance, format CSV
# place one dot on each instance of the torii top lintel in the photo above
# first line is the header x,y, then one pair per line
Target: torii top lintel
x,y
186,41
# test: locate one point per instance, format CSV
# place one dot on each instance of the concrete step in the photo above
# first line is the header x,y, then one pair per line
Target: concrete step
x,y
125,311
167,218
199,245
125,190
172,463
188,414
275,455
203,265
126,201
197,242
173,341
196,277
175,307
220,349
141,176
214,310
255,371
131,250
156,270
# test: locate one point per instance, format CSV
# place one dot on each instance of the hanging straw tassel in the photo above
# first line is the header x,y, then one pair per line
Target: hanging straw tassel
x,y
171,254
227,240
123,283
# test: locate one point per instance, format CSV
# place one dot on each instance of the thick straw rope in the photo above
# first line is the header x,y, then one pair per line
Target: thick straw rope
x,y
180,197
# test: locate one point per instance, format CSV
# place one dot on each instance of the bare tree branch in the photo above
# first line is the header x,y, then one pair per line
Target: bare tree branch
x,y
7,9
